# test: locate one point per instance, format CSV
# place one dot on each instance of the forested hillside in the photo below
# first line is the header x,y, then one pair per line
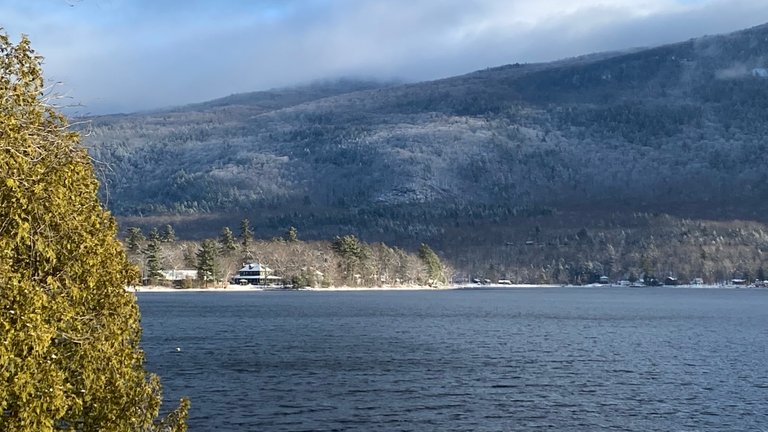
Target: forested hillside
x,y
677,130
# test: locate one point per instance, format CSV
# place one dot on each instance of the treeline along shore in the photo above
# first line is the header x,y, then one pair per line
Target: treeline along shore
x,y
284,261
572,248
581,247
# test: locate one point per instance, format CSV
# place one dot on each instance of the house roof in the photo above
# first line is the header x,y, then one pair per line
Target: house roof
x,y
255,267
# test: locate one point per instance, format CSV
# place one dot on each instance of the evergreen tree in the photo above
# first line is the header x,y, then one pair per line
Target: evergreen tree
x,y
152,258
292,235
70,356
168,234
227,240
134,239
246,234
435,270
353,255
154,235
206,261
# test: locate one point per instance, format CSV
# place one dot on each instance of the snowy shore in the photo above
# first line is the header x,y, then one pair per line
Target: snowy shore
x,y
249,288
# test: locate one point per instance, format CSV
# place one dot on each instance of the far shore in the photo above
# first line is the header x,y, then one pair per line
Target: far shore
x,y
250,288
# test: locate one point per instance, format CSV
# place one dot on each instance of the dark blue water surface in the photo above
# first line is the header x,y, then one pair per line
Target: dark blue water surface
x,y
570,359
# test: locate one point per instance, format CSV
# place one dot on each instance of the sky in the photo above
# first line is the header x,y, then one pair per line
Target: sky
x,y
128,55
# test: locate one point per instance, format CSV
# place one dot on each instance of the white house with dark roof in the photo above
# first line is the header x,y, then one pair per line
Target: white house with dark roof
x,y
255,274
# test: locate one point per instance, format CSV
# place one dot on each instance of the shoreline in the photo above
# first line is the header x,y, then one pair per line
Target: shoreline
x,y
247,288
468,287
250,288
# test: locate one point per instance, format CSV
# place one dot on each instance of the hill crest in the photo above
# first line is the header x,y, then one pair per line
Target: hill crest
x,y
675,129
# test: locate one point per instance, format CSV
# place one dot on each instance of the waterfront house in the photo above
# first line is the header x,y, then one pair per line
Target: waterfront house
x,y
254,274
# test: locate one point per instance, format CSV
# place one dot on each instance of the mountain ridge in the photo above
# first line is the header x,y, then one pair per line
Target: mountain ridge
x,y
673,129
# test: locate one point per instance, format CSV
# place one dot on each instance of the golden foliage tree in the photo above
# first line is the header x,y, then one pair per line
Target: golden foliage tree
x,y
69,332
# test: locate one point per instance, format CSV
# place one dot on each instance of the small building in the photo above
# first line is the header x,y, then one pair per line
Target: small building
x,y
651,281
174,277
604,280
178,275
697,281
671,281
254,274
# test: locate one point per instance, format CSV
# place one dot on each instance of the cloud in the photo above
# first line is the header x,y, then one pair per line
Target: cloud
x,y
126,55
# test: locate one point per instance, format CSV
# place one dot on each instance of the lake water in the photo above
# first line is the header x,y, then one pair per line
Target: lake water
x,y
570,359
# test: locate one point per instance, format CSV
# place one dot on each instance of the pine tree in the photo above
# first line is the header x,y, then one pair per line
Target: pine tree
x,y
154,235
206,261
70,357
354,256
246,234
227,240
152,257
134,239
435,270
168,234
292,235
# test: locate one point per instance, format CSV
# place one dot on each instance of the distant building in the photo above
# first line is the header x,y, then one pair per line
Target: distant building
x,y
604,280
651,281
671,281
172,277
255,274
176,275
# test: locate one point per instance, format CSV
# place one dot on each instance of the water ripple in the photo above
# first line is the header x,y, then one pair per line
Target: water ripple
x,y
514,360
